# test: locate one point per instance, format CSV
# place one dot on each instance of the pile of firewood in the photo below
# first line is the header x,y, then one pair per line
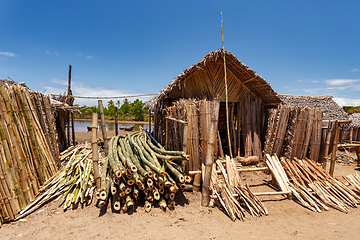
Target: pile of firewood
x,y
315,189
139,167
235,197
74,184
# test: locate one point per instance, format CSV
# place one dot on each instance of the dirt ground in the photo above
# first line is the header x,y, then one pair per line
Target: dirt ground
x,y
286,220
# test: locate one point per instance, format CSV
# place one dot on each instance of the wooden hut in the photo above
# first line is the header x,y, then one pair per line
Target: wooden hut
x,y
182,110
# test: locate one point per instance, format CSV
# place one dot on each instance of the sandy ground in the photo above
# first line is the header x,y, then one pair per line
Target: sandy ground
x,y
286,220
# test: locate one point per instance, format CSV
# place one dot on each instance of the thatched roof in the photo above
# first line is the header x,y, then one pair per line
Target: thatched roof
x,y
331,110
56,105
205,79
355,117
5,82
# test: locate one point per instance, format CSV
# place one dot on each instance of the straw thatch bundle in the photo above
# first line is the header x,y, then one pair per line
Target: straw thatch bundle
x,y
28,147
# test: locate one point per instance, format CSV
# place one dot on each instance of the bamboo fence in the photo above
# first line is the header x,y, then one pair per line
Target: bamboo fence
x,y
28,147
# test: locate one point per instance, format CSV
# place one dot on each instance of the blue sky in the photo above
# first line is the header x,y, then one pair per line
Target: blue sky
x,y
137,47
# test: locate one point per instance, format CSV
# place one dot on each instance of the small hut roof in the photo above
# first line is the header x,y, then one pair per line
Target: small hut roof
x,y
248,78
5,82
331,110
355,117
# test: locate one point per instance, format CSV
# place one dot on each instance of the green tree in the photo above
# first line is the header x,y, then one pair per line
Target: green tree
x,y
125,107
110,111
137,110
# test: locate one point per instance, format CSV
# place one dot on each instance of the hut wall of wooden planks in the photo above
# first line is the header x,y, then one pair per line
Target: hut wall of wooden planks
x,y
295,132
192,135
29,150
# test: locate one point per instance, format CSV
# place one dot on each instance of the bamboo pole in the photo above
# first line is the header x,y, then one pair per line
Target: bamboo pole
x,y
103,129
238,121
167,133
95,149
205,197
226,90
149,121
116,122
73,129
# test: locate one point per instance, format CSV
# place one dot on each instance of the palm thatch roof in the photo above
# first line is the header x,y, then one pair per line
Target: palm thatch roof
x,y
331,110
6,82
205,79
355,117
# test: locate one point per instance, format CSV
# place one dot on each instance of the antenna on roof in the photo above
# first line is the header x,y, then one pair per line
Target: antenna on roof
x,y
226,89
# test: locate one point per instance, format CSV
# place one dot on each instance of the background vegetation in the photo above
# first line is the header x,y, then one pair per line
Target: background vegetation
x,y
351,110
129,111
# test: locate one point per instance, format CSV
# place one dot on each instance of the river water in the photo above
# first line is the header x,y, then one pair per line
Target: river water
x,y
81,126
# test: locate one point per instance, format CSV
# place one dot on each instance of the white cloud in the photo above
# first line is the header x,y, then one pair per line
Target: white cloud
x,y
52,53
314,81
347,102
339,82
89,57
355,70
8,54
58,81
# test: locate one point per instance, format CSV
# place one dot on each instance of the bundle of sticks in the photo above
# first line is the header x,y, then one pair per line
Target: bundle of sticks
x,y
28,147
315,189
138,166
235,197
354,180
72,185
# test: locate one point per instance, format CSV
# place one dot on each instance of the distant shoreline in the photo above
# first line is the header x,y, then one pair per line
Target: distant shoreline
x,y
108,120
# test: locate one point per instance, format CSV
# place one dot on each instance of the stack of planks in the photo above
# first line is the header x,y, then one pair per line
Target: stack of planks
x,y
294,132
278,172
232,195
28,147
315,189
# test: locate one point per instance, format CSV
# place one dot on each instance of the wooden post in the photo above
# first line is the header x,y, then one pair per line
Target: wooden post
x,y
238,114
68,119
73,129
95,149
221,150
167,133
325,152
116,122
149,121
185,164
334,149
103,129
69,83
205,196
351,135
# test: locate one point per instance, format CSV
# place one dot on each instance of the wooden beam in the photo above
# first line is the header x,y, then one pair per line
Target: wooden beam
x,y
176,120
